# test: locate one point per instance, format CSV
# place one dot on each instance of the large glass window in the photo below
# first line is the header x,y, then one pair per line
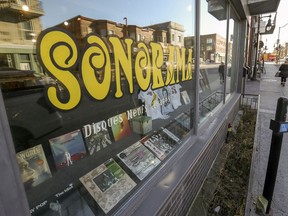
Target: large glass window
x,y
232,66
213,45
27,30
104,110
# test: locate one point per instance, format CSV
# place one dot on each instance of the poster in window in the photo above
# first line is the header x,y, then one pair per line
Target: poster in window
x,y
139,159
107,184
67,149
33,166
96,136
120,126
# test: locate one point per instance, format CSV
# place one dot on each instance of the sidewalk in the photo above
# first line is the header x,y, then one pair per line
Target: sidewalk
x,y
269,89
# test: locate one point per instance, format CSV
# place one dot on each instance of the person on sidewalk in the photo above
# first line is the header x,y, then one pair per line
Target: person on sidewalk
x,y
283,73
221,72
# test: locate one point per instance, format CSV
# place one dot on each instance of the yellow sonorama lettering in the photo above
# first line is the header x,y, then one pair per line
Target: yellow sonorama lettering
x,y
180,65
170,76
187,74
123,59
157,61
143,66
59,55
96,60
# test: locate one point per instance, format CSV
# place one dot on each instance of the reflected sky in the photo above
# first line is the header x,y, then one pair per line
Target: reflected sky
x,y
140,13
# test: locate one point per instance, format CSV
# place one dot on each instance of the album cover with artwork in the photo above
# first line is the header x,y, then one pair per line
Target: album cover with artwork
x,y
96,136
139,159
160,143
120,126
68,148
33,166
107,184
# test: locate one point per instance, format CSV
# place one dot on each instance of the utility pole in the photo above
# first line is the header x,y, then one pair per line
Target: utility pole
x,y
278,43
256,49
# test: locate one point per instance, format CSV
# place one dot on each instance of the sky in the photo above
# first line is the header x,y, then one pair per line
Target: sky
x,y
140,13
282,20
144,13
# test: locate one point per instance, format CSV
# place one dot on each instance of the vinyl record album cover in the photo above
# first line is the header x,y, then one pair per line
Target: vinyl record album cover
x,y
120,126
68,148
96,136
33,165
160,143
139,159
107,184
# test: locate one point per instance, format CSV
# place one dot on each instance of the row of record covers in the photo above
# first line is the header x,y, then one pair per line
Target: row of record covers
x,y
108,183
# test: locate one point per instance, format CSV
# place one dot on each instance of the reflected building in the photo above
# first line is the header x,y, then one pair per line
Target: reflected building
x,y
19,26
212,47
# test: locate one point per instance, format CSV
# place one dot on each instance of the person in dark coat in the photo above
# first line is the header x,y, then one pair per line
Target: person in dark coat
x,y
221,72
283,73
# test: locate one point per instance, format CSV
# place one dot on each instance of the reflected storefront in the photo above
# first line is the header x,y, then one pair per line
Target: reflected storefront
x,y
107,113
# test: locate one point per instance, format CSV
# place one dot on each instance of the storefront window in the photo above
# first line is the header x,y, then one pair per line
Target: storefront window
x,y
212,56
233,62
93,111
231,81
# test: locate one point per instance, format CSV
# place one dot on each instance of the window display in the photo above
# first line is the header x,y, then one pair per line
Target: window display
x,y
96,114
107,184
33,166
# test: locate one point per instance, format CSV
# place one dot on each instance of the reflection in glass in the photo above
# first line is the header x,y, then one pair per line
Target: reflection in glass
x,y
130,75
212,57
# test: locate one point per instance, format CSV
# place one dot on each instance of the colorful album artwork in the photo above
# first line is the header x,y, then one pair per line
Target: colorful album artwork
x,y
120,126
68,148
107,184
139,159
33,166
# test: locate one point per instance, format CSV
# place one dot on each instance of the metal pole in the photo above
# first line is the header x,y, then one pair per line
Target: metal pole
x,y
278,50
278,43
197,67
256,53
274,155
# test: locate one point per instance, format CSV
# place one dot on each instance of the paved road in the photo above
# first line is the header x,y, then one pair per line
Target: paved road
x,y
270,90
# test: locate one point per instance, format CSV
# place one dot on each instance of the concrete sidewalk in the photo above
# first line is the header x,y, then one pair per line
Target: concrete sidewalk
x,y
269,89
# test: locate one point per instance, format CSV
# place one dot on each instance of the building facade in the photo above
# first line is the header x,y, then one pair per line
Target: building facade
x,y
19,30
127,117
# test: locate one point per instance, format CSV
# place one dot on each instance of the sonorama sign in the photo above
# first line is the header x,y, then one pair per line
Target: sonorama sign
x,y
59,54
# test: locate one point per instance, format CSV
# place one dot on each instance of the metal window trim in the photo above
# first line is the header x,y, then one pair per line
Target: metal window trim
x,y
11,187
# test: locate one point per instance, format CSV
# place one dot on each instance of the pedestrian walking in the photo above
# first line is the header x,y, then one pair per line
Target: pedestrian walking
x,y
221,72
283,73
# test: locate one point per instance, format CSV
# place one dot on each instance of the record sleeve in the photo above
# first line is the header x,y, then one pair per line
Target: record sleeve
x,y
96,136
33,166
120,126
159,143
107,184
139,159
68,148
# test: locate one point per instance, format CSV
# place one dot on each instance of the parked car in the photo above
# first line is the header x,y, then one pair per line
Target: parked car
x,y
28,113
